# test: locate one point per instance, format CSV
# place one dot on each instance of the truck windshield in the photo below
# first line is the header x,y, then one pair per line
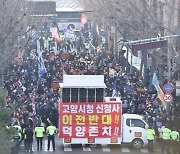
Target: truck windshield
x,y
137,123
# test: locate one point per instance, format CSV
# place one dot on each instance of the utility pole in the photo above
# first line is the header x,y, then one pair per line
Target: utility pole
x,y
170,10
115,42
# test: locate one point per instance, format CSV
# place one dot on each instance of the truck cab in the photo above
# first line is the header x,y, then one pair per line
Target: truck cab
x,y
134,130
133,127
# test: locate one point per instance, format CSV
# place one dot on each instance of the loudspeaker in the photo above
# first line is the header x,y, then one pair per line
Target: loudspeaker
x,y
74,94
66,95
99,94
82,95
91,95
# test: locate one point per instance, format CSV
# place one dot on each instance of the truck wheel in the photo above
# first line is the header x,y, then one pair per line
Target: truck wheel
x,y
92,145
137,143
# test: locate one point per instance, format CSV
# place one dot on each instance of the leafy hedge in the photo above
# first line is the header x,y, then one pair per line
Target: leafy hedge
x,y
5,116
3,94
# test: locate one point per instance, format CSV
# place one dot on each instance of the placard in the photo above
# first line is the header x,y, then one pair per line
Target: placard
x,y
90,120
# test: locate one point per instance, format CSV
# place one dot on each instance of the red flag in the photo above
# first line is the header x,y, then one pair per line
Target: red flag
x,y
55,34
63,71
84,19
19,59
20,55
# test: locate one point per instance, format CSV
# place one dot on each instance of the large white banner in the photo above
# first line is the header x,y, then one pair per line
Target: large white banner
x,y
133,60
136,62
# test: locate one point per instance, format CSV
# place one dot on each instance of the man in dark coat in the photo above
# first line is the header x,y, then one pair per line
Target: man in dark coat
x,y
28,132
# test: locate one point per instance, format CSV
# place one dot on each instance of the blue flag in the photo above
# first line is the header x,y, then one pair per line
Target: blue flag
x,y
155,81
114,93
41,67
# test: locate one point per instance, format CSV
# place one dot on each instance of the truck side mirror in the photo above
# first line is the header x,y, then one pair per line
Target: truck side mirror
x,y
146,126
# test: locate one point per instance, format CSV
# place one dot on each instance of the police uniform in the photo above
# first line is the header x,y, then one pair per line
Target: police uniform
x,y
166,139
18,128
24,137
39,133
17,139
174,140
51,131
150,136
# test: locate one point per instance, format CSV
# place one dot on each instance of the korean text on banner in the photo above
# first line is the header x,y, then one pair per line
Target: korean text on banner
x,y
92,120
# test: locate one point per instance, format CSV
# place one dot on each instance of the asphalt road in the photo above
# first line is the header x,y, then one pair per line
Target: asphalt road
x,y
84,149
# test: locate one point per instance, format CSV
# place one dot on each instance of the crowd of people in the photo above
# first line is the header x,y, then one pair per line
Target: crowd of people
x,y
36,101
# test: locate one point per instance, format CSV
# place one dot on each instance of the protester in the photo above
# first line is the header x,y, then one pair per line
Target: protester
x,y
31,77
28,132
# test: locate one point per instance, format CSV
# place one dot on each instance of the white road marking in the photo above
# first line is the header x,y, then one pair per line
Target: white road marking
x,y
46,146
85,148
125,149
144,151
67,147
105,148
32,147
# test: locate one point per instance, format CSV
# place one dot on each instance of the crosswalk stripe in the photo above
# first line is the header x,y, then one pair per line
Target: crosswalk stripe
x,y
32,147
144,151
85,148
125,149
67,147
46,146
105,148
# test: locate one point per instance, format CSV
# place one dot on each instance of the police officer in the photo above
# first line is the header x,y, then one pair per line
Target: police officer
x,y
16,139
39,133
166,139
51,131
150,136
24,137
18,127
174,140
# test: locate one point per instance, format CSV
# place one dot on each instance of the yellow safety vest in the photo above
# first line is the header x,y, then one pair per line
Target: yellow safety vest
x,y
150,134
39,131
51,130
166,134
174,136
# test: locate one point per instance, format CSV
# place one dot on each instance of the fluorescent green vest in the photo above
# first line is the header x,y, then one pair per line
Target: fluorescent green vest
x,y
174,135
150,134
166,134
18,128
51,130
24,134
39,131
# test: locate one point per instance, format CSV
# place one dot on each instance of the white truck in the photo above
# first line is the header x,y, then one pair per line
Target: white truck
x,y
81,121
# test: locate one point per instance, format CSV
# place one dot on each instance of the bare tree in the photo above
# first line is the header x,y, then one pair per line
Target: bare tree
x,y
134,19
14,20
140,19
